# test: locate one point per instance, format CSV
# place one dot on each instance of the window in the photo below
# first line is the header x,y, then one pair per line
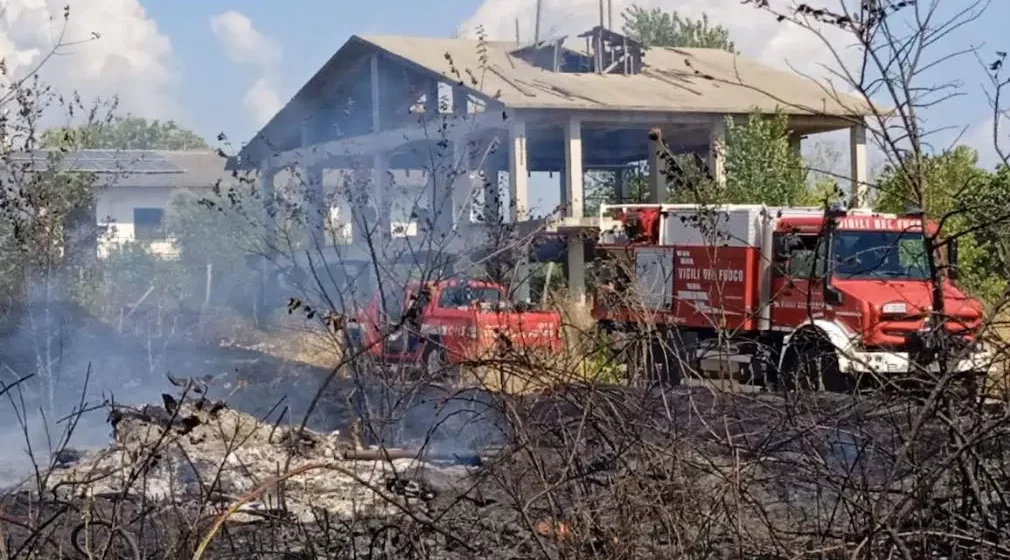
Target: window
x,y
462,296
880,254
147,224
802,256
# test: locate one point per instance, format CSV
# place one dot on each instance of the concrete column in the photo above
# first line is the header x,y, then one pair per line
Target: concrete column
x,y
315,207
857,163
267,194
518,172
463,186
657,172
267,285
796,144
362,216
573,204
574,192
619,187
717,150
376,99
381,195
441,192
577,269
519,199
460,101
492,193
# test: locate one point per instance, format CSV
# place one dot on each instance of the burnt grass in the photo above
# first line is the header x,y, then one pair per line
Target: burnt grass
x,y
615,473
588,472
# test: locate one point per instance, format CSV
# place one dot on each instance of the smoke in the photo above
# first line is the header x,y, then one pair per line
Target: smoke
x,y
76,363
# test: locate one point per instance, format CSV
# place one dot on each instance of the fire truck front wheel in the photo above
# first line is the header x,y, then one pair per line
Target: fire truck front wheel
x,y
435,362
811,364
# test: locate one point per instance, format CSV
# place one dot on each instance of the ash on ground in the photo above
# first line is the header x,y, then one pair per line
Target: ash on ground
x,y
205,452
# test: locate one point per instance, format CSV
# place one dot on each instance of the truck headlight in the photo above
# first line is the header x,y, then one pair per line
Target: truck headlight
x,y
894,308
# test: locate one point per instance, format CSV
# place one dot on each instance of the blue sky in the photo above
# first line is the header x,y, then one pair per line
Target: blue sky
x,y
308,32
225,66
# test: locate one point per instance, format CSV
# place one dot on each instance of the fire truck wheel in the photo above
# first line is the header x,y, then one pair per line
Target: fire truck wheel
x,y
812,365
435,363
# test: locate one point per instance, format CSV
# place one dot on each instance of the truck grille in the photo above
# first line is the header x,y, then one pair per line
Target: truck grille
x,y
924,347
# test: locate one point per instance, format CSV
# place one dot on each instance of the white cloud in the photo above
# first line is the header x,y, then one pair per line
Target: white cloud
x,y
242,42
263,101
130,57
756,33
245,45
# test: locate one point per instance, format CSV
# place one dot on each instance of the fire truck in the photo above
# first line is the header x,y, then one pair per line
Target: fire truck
x,y
794,297
439,325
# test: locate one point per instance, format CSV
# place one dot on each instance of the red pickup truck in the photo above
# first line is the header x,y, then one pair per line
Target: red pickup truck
x,y
448,323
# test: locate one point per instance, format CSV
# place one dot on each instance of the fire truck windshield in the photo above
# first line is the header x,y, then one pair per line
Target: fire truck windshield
x,y
879,254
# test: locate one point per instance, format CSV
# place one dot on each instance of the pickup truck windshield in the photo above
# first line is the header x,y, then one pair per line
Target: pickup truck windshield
x,y
879,254
464,296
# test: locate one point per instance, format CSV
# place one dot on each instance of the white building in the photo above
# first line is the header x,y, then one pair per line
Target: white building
x,y
133,202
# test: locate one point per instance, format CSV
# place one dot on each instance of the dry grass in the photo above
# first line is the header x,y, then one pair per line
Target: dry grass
x,y
290,338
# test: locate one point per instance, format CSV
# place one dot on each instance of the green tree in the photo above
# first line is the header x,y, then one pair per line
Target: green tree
x,y
658,28
972,204
126,133
761,164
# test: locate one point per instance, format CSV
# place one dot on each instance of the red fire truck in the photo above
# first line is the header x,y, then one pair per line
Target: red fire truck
x,y
749,291
442,324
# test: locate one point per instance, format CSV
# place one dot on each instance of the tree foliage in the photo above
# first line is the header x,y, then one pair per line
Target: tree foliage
x,y
126,133
971,202
659,28
761,167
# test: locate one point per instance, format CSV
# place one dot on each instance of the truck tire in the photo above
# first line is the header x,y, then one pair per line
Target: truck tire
x,y
811,364
435,363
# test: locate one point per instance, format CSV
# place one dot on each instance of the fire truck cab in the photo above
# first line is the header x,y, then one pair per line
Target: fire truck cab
x,y
792,296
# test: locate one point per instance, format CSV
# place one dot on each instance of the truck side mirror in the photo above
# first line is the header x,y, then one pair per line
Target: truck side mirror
x,y
785,245
831,295
952,259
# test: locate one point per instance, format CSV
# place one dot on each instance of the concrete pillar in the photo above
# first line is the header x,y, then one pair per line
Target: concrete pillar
x,y
492,193
362,215
381,195
518,172
574,192
315,206
460,101
519,199
717,150
376,99
657,172
267,194
796,144
857,163
577,269
441,185
267,286
467,161
619,188
574,206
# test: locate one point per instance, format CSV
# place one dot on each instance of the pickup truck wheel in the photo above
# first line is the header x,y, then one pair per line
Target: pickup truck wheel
x,y
435,363
812,365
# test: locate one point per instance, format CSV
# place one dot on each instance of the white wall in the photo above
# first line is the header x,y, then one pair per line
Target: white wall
x,y
115,209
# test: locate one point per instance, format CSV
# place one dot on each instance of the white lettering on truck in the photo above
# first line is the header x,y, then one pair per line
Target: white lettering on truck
x,y
711,274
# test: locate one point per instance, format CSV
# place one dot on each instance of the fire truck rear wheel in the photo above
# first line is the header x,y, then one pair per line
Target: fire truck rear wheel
x,y
812,365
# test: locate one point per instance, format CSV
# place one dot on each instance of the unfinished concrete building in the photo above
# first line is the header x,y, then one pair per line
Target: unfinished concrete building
x,y
465,110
